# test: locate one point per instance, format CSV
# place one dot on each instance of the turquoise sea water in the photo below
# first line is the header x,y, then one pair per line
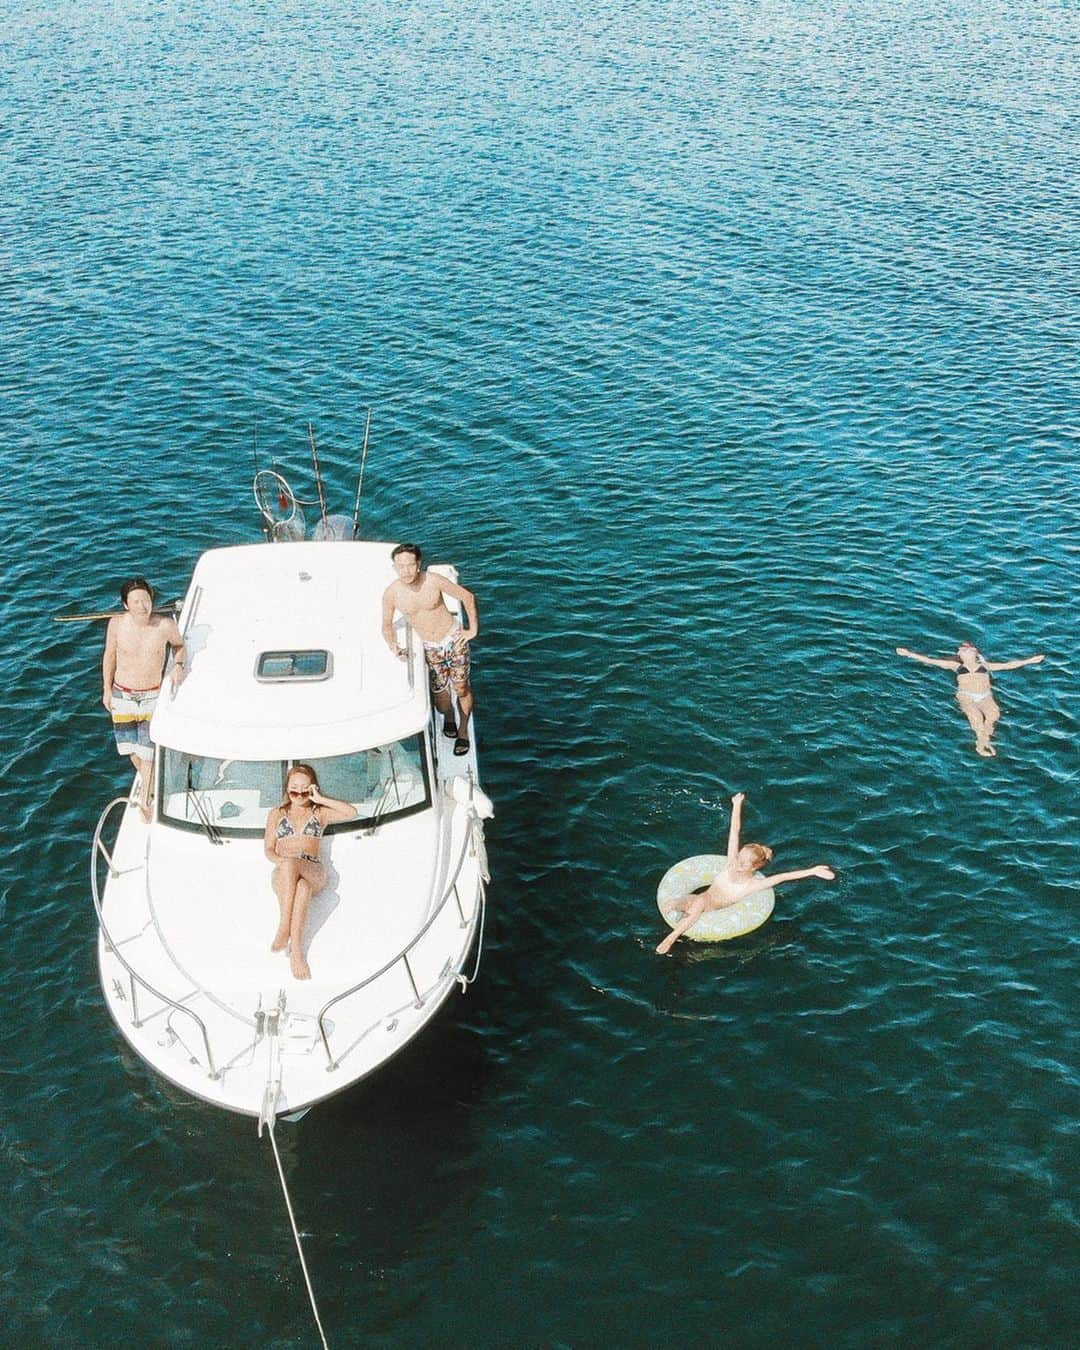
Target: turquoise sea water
x,y
724,348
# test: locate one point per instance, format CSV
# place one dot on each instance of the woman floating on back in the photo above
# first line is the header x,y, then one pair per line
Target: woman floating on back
x,y
973,691
736,881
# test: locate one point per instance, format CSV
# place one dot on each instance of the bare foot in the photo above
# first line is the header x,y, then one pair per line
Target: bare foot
x,y
281,940
982,748
665,946
146,812
300,968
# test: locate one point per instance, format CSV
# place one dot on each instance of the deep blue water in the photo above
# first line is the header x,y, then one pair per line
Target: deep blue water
x,y
724,348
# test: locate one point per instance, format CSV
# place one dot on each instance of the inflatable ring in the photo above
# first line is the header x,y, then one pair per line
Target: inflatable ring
x,y
715,925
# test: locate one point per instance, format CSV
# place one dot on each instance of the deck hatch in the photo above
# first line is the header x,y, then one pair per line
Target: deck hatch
x,y
286,666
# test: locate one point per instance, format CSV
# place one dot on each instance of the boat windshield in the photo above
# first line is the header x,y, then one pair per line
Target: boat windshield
x,y
234,796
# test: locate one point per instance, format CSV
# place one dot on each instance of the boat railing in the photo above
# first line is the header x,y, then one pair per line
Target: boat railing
x,y
472,844
135,979
407,649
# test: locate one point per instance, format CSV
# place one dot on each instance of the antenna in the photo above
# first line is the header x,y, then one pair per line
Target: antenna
x,y
318,475
360,485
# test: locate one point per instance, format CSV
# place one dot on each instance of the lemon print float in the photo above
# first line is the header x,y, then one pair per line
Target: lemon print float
x,y
715,925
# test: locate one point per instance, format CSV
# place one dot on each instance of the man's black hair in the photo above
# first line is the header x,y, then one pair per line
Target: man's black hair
x,y
135,584
408,548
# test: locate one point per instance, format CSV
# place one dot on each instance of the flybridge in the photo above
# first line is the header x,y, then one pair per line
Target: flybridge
x,y
286,656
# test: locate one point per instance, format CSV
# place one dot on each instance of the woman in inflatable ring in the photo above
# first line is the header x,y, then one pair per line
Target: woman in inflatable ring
x,y
736,881
973,692
294,831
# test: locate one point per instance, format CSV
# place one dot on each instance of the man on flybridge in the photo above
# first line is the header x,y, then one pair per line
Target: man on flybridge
x,y
419,595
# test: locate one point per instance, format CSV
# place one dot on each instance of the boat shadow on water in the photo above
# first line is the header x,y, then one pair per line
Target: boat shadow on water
x,y
368,1170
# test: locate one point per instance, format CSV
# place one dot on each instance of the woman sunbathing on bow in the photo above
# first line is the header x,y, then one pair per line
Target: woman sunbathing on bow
x,y
294,831
736,880
973,691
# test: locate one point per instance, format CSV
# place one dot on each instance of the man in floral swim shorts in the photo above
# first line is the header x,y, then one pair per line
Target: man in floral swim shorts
x,y
418,595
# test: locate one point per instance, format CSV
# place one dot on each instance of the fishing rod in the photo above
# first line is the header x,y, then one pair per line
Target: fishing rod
x,y
360,485
318,475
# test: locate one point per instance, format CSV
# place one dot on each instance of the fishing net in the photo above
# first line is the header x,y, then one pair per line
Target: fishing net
x,y
274,497
277,505
332,527
289,531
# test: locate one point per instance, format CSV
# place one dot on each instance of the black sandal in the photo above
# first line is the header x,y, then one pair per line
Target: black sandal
x,y
449,729
461,745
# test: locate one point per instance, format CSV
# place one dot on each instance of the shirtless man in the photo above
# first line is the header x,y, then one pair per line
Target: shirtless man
x,y
419,596
738,879
136,643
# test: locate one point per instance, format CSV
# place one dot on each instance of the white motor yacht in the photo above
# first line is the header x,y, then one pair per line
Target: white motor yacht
x,y
286,663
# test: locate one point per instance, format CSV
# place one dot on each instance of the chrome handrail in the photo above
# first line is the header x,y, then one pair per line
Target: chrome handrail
x,y
409,645
403,955
133,975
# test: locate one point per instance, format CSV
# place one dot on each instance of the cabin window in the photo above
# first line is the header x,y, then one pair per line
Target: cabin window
x,y
235,795
282,667
232,794
382,783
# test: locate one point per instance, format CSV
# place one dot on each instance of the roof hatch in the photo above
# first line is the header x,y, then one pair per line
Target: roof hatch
x,y
289,667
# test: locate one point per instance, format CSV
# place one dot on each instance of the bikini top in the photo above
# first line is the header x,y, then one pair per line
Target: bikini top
x,y
313,829
980,669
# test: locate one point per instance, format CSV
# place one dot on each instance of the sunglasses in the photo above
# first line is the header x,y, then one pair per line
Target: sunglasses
x,y
299,792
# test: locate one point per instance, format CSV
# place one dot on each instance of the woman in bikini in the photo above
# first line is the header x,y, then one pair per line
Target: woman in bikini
x,y
973,691
737,880
291,842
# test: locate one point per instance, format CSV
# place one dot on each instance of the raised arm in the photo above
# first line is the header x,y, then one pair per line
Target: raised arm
x,y
762,883
735,826
928,660
467,599
1015,665
333,811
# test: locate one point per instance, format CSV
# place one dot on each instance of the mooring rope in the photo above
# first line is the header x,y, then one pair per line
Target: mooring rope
x,y
296,1237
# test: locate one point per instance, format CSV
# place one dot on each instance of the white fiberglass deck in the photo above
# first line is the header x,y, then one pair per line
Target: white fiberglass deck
x,y
200,937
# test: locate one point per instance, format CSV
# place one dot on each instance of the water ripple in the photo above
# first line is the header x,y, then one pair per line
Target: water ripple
x,y
724,349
